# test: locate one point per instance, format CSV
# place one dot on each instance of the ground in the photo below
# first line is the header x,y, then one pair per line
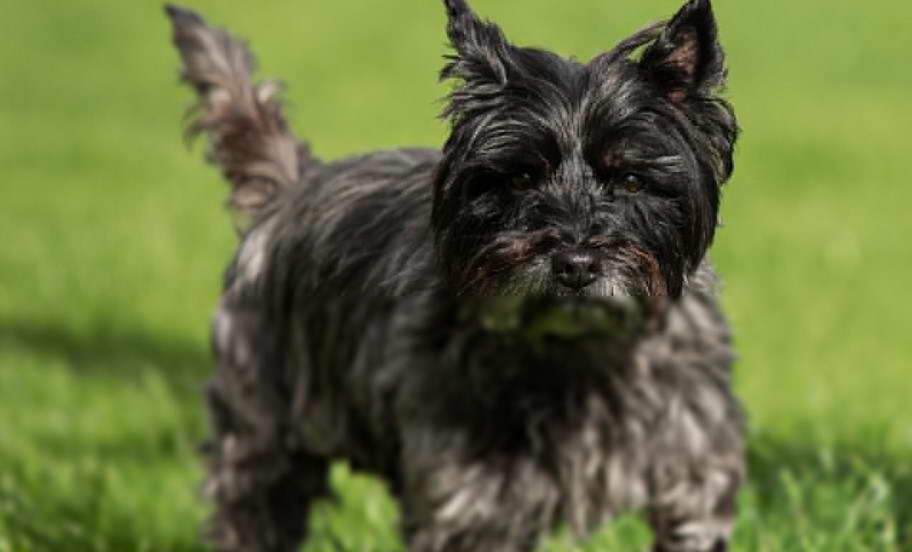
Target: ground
x,y
113,240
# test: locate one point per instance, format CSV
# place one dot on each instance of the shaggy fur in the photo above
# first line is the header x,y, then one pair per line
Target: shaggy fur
x,y
517,332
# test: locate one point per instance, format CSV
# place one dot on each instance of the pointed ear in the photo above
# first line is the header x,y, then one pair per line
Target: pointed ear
x,y
687,59
481,49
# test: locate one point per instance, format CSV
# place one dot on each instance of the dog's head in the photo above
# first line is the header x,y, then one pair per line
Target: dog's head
x,y
598,179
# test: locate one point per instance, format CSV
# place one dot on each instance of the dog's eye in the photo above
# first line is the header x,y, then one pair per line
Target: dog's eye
x,y
522,181
631,183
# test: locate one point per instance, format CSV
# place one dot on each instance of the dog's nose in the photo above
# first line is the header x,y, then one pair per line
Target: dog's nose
x,y
575,269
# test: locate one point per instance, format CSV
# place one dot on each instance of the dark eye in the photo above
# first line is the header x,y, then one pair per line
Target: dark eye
x,y
631,183
522,181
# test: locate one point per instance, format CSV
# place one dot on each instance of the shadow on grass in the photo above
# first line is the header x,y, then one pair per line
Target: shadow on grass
x,y
107,348
164,377
69,486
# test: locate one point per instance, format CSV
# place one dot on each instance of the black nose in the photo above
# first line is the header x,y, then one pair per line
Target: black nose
x,y
575,269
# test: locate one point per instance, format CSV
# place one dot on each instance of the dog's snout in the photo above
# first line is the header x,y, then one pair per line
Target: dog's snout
x,y
575,269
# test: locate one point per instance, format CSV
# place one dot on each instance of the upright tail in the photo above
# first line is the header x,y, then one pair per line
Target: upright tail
x,y
248,134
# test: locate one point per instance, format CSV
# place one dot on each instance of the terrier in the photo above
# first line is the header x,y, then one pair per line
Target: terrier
x,y
518,331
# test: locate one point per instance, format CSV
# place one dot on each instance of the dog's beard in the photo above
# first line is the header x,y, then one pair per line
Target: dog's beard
x,y
543,317
514,283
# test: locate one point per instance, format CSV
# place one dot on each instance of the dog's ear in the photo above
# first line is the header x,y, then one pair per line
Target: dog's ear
x,y
687,59
482,52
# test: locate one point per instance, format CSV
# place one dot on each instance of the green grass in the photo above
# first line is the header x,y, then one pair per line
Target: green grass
x,y
113,240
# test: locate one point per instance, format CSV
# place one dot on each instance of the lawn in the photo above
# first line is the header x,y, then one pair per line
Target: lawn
x,y
113,241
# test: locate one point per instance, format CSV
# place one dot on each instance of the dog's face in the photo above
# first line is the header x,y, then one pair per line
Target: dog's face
x,y
599,179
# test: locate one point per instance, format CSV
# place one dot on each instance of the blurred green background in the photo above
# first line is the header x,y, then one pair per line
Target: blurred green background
x,y
112,241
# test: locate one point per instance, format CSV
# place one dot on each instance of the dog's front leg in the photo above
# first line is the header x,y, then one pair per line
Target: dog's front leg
x,y
453,501
695,510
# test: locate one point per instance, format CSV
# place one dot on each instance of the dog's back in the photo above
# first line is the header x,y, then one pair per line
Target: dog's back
x,y
319,285
274,177
309,230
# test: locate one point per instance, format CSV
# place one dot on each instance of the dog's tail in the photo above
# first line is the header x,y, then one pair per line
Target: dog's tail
x,y
248,134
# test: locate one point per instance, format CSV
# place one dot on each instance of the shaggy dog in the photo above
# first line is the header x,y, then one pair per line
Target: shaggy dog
x,y
518,331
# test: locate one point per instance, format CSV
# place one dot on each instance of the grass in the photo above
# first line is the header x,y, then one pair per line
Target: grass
x,y
113,242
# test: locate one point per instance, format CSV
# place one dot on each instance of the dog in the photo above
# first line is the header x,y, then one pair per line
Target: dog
x,y
517,332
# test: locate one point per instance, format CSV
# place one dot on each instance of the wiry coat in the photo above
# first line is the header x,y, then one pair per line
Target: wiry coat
x,y
401,309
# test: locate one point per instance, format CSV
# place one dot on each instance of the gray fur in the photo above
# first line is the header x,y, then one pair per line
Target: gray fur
x,y
339,336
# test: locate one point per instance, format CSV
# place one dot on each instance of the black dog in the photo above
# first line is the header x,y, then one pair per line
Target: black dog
x,y
517,332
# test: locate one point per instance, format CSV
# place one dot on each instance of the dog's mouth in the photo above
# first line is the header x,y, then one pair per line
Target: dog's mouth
x,y
568,317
